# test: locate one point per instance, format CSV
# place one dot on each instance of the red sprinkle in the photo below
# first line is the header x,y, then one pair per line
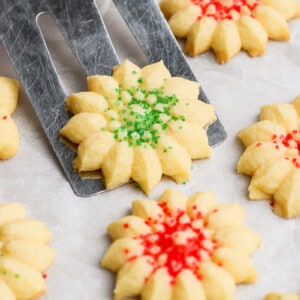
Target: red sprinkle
x,y
125,225
45,275
258,144
4,118
286,140
146,279
199,215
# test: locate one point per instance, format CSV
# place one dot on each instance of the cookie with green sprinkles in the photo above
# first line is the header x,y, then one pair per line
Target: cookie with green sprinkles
x,y
140,124
24,254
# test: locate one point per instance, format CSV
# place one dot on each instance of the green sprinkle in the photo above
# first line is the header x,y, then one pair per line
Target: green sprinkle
x,y
138,186
140,80
164,126
133,72
102,128
17,275
184,182
180,127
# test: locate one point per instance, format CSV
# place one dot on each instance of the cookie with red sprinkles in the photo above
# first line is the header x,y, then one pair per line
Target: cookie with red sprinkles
x,y
180,247
228,26
272,157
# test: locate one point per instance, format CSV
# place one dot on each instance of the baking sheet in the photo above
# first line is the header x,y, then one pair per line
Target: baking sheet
x,y
78,225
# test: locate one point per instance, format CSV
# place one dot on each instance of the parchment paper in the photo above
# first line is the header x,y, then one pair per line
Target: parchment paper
x,y
78,225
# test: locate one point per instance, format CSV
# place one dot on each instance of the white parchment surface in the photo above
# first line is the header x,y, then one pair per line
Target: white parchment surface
x,y
78,225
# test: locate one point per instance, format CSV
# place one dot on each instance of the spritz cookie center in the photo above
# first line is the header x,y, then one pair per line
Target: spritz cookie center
x,y
225,9
143,115
177,242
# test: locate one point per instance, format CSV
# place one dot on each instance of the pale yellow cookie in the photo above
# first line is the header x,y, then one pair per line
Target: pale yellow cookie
x,y
9,138
228,26
284,296
24,254
272,157
140,124
181,247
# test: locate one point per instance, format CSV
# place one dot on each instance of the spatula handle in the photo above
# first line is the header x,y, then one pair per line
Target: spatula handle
x,y
28,53
83,28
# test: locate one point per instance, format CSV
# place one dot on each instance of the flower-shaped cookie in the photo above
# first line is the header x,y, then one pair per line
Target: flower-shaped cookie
x,y
272,157
181,248
139,124
285,296
24,254
9,137
227,26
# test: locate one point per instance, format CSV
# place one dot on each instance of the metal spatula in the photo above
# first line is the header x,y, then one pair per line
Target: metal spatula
x,y
83,28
